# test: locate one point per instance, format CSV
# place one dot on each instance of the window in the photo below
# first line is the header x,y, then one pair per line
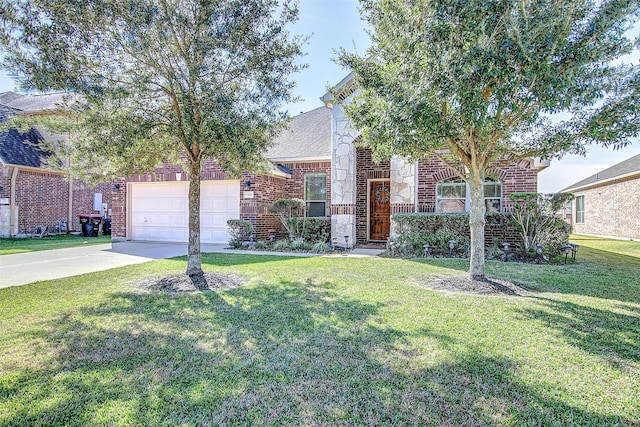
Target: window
x,y
315,194
580,209
452,195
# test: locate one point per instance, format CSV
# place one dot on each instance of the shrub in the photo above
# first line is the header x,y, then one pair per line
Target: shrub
x,y
239,231
535,219
281,245
262,244
300,245
313,230
285,209
414,230
322,248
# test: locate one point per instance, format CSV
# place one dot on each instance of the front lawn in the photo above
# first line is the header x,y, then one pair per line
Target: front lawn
x,y
326,341
29,244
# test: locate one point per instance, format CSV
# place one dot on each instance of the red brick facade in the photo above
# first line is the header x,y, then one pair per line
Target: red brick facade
x,y
42,198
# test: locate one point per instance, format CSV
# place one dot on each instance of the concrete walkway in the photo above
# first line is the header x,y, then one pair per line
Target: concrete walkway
x,y
29,267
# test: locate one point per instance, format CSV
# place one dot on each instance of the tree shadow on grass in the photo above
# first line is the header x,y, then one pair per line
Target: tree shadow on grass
x,y
289,353
614,335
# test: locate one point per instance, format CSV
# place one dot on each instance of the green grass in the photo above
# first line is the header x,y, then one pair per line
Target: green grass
x,y
327,341
14,245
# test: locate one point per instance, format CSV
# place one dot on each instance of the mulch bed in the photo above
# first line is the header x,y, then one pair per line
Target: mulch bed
x,y
478,287
177,283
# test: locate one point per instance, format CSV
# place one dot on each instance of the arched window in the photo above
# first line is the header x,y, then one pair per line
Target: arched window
x,y
452,195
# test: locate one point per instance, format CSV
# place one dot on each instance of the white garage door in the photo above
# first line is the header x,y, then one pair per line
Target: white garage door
x,y
158,211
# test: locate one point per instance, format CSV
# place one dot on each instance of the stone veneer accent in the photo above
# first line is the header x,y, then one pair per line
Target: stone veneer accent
x,y
343,176
611,210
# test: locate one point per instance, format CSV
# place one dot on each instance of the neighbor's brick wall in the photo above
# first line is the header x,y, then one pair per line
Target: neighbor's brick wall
x,y
366,169
43,198
611,210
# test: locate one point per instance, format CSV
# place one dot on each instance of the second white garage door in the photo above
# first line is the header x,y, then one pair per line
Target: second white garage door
x,y
158,211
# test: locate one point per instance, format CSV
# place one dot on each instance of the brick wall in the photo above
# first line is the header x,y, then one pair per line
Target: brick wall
x,y
43,198
611,210
517,177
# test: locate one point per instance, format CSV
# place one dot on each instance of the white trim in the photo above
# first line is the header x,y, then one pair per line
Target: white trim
x,y
369,181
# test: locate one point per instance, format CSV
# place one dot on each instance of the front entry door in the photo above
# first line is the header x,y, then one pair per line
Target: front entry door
x,y
379,210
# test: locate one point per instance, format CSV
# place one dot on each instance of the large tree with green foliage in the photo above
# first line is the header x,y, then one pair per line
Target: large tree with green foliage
x,y
158,80
475,83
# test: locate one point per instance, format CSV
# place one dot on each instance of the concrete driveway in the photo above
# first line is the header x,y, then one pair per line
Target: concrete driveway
x,y
23,268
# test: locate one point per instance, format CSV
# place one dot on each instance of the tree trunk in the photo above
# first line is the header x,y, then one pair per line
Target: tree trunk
x,y
194,263
476,226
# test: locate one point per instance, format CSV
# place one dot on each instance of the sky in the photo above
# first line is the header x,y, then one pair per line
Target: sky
x,y
336,23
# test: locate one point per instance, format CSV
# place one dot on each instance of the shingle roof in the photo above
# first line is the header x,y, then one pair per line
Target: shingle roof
x,y
34,103
308,136
6,97
625,167
19,148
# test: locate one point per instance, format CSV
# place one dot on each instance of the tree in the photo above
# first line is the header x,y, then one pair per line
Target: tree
x,y
474,82
158,80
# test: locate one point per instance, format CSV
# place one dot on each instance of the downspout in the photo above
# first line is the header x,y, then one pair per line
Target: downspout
x,y
12,202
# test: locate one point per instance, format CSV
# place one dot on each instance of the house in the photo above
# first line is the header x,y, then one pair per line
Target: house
x,y
607,203
32,192
316,160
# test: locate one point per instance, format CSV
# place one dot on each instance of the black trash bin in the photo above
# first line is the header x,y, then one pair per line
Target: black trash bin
x,y
106,226
90,224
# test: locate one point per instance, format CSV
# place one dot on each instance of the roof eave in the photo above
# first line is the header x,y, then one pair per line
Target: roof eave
x,y
603,182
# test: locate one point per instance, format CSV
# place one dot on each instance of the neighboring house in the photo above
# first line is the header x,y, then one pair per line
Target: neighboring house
x,y
33,194
608,203
316,160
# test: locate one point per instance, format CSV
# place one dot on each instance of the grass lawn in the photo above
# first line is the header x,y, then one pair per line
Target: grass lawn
x,y
328,341
14,246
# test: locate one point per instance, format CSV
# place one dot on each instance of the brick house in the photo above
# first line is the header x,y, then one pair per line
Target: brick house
x,y
32,194
316,160
606,203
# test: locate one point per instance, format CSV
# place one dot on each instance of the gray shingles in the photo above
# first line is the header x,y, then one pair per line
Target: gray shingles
x,y
38,103
623,168
19,148
308,136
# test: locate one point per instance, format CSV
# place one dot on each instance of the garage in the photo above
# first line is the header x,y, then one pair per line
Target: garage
x,y
159,211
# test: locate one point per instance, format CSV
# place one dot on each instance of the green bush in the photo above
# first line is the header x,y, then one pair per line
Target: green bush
x,y
262,244
281,245
239,231
414,230
321,248
300,245
312,230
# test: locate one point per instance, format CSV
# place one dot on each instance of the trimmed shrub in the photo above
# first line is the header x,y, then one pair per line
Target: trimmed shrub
x,y
239,231
262,244
300,245
312,230
414,230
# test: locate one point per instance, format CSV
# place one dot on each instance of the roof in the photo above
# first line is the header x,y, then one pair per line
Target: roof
x,y
307,137
22,149
623,169
33,103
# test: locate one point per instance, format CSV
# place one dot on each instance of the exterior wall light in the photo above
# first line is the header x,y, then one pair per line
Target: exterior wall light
x,y
116,187
246,186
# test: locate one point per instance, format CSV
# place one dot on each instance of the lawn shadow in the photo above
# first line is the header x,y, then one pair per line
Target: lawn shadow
x,y
604,332
287,353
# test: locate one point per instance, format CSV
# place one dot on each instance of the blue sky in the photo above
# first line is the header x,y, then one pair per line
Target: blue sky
x,y
336,23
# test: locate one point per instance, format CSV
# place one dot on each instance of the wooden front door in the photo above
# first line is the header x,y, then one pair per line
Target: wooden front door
x,y
379,210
